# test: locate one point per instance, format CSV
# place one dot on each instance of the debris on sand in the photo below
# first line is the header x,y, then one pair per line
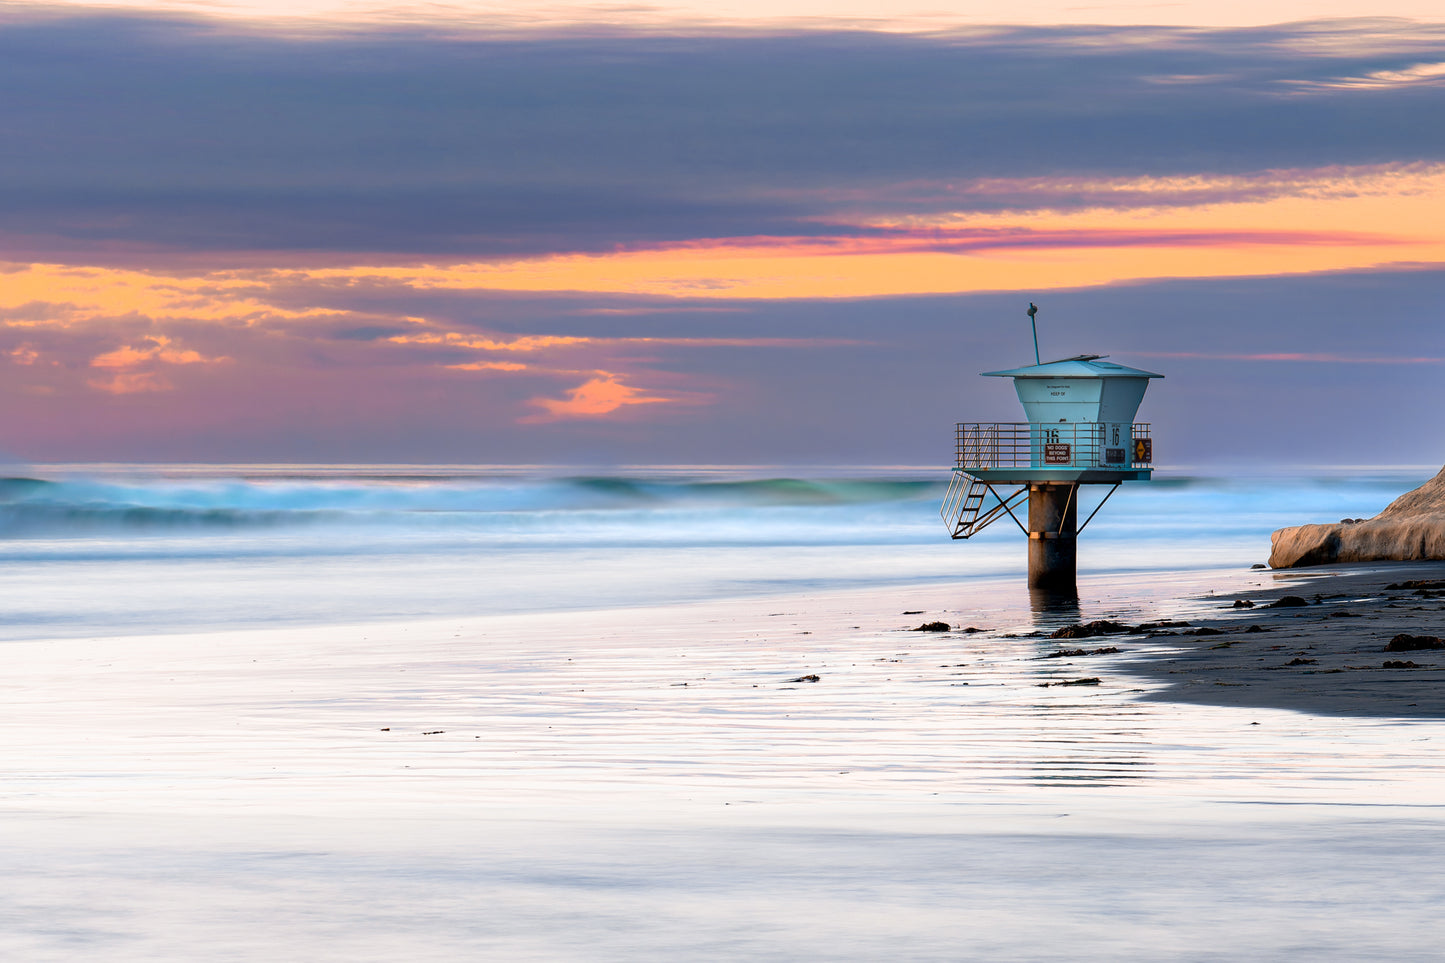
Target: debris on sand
x,y
1414,643
806,678
1243,604
1287,602
932,627
1075,653
1089,681
1417,583
1087,630
1399,665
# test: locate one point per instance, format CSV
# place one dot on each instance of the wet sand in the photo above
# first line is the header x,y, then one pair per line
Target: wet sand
x,y
799,777
1327,657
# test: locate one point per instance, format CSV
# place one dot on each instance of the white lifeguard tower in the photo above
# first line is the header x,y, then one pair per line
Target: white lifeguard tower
x,y
1080,431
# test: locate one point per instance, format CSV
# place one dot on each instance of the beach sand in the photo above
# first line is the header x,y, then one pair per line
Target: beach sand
x,y
1326,657
670,783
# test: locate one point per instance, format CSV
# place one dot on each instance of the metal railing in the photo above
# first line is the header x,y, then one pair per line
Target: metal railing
x,y
1027,445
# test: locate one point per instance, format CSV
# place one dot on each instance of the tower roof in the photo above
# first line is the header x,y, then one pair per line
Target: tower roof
x,y
1079,366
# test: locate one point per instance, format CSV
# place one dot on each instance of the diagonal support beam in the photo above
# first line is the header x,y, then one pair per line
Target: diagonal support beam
x,y
1005,504
1097,507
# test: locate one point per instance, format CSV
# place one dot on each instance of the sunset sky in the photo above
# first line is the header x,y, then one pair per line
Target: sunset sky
x,y
784,233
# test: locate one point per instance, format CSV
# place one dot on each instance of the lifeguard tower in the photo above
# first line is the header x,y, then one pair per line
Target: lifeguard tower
x,y
1080,431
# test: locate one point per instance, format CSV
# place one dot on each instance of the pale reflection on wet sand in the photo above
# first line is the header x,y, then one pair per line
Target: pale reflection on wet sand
x,y
671,782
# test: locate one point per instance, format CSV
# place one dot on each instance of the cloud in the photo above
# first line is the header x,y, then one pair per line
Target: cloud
x,y
936,202
215,140
488,366
546,342
1426,74
159,350
291,392
138,370
412,242
594,398
455,339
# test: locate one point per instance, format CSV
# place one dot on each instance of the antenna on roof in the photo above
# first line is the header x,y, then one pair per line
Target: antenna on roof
x,y
1033,310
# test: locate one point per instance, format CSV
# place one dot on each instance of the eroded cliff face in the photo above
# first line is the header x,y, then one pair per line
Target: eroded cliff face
x,y
1411,527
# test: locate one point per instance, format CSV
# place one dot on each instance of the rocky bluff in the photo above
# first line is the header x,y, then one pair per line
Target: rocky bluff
x,y
1411,527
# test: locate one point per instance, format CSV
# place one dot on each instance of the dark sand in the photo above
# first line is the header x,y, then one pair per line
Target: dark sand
x,y
1325,658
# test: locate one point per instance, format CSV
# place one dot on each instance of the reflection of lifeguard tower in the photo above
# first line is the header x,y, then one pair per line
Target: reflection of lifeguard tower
x,y
1080,431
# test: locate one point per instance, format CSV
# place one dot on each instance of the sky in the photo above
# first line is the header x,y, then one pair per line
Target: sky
x,y
741,233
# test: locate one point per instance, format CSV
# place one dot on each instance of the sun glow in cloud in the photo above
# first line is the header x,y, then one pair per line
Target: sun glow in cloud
x,y
537,343
135,370
1418,75
1335,220
1276,223
143,326
595,398
487,366
159,349
47,295
565,215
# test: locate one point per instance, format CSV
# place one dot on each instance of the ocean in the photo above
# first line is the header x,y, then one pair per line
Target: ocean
x,y
441,713
107,549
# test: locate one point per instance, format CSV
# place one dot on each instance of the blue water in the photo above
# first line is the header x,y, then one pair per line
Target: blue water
x,y
105,550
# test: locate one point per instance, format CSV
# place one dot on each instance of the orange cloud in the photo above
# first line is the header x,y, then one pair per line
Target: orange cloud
x,y
530,343
487,366
592,399
159,350
1331,220
454,339
81,293
1271,223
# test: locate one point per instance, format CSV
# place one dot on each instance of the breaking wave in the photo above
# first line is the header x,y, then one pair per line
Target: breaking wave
x,y
138,504
407,509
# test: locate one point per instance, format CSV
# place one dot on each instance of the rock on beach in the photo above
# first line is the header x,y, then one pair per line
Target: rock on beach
x,y
1411,528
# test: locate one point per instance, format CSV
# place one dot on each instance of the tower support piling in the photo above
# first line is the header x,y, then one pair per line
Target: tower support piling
x,y
1053,536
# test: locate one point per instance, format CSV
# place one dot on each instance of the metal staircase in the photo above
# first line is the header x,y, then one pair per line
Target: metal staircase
x,y
964,502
